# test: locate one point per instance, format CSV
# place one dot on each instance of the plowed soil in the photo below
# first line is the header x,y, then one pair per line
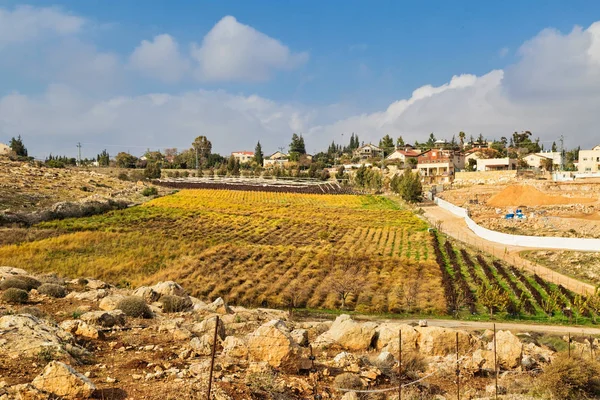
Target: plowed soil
x,y
525,195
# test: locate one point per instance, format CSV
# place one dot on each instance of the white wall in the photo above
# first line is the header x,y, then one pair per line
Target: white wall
x,y
545,242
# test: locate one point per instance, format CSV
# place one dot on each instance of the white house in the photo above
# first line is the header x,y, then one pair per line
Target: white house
x,y
368,151
403,156
497,164
277,158
4,149
589,160
535,160
243,156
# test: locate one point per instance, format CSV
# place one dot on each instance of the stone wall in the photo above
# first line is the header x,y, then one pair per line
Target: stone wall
x,y
484,177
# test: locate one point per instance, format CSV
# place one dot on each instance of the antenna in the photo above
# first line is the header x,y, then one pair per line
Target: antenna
x,y
78,153
281,148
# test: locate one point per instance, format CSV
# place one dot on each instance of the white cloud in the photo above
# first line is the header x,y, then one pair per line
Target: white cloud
x,y
25,23
160,59
232,51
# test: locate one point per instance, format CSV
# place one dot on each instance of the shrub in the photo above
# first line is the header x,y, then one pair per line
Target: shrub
x,y
149,191
175,303
413,363
123,176
135,307
82,281
348,380
571,377
36,312
53,290
31,282
14,295
15,283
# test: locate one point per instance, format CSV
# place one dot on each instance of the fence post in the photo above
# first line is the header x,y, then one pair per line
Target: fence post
x,y
495,362
212,357
457,370
569,344
400,365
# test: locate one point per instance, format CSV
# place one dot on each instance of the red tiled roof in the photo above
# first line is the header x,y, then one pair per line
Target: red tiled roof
x,y
247,153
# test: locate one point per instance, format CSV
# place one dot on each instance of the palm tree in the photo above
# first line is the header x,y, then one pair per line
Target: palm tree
x,y
461,136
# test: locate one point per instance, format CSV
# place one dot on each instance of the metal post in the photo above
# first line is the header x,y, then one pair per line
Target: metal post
x,y
400,365
78,153
457,370
212,357
495,361
569,344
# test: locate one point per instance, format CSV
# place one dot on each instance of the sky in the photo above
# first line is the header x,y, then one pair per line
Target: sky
x,y
130,76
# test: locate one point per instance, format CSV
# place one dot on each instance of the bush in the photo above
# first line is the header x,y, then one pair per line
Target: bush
x,y
149,191
53,290
413,363
36,312
31,282
123,176
175,303
135,307
14,295
571,378
348,380
14,283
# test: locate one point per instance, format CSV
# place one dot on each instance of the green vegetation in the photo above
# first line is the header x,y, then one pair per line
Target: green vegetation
x,y
14,295
135,307
53,290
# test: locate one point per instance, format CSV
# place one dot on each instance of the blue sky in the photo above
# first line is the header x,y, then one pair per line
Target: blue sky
x,y
346,60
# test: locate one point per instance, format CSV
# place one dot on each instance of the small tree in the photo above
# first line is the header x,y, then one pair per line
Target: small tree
x,y
408,186
125,160
493,298
18,147
103,158
152,170
258,154
346,281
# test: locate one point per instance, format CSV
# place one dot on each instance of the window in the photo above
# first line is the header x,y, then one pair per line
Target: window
x,y
584,158
588,169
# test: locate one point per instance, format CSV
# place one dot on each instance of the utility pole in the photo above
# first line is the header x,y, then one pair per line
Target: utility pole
x,y
79,153
562,153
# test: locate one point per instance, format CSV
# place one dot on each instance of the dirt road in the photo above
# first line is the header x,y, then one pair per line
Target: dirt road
x,y
457,228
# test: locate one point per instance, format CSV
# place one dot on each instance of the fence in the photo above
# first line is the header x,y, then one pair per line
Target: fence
x,y
545,242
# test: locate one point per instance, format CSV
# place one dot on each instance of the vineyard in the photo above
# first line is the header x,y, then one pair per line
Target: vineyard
x,y
253,248
480,286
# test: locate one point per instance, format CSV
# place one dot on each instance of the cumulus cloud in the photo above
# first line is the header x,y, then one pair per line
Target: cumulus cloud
x,y
160,58
25,23
232,51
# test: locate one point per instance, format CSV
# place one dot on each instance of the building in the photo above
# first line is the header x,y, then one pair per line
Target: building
x,y
589,160
403,156
4,149
438,166
535,160
368,151
277,158
243,156
497,164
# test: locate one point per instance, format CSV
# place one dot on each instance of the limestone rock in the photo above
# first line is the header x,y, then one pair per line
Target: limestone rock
x,y
147,293
348,334
350,396
105,319
272,343
168,288
388,335
25,391
61,380
386,359
90,295
300,336
207,327
235,347
437,341
509,349
7,272
219,306
96,284
81,328
109,303
202,345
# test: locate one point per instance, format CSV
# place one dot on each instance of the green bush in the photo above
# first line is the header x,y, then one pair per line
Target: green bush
x,y
36,312
14,283
30,281
571,377
123,176
348,380
150,191
135,307
175,303
53,290
14,295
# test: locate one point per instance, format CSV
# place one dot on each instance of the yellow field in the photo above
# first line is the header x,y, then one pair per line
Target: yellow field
x,y
253,248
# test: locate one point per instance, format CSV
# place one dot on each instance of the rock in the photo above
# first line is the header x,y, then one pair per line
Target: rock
x,y
7,272
96,284
300,336
27,336
389,333
109,303
90,295
219,306
509,349
235,347
272,343
168,288
491,389
371,374
197,304
25,392
386,359
199,368
81,328
350,396
202,345
147,293
105,319
347,361
348,334
422,323
437,341
259,367
62,380
207,327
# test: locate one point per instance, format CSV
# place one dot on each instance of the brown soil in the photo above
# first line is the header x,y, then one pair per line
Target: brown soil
x,y
516,195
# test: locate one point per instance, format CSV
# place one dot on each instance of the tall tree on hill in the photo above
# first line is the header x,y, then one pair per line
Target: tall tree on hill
x,y
387,144
258,154
103,158
354,144
431,140
400,142
202,146
18,147
461,137
297,145
553,146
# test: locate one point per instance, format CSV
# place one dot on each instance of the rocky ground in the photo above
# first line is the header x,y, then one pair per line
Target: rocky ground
x,y
579,264
99,341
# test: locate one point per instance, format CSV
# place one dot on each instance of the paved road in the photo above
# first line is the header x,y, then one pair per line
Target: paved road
x,y
457,228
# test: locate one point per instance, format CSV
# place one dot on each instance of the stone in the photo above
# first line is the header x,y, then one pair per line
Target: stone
x,y
219,306
106,319
300,336
350,396
509,349
81,328
348,334
61,380
202,345
197,304
90,295
235,347
7,272
25,392
168,288
386,359
110,303
422,323
272,343
389,333
207,327
437,341
96,284
147,293
345,359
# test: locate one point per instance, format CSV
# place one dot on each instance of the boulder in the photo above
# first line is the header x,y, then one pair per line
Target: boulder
x,y
348,334
96,284
25,391
347,361
81,328
197,304
386,359
27,336
272,343
235,347
109,303
202,345
509,349
90,295
168,288
147,293
300,336
106,319
388,335
437,341
7,272
207,327
174,327
61,380
219,306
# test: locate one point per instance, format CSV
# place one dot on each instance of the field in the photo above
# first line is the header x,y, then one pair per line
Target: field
x,y
253,248
584,266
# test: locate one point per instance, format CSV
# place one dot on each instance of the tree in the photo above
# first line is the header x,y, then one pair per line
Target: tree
x,y
152,170
103,158
431,140
258,154
18,147
203,147
493,298
346,280
461,137
125,160
297,146
340,174
553,146
360,177
387,144
154,156
547,164
400,142
408,186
